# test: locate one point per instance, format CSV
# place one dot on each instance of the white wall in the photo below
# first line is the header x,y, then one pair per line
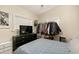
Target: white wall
x,y
69,19
6,34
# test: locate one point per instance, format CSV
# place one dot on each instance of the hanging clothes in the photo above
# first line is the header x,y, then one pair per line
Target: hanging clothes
x,y
54,28
46,28
50,28
38,28
41,29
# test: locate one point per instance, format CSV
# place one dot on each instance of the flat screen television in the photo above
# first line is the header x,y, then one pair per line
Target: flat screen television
x,y
25,29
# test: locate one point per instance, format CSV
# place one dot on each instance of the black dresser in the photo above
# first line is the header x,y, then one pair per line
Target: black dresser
x,y
23,39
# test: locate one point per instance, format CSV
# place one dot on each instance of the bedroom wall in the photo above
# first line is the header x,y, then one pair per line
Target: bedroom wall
x,y
6,34
69,19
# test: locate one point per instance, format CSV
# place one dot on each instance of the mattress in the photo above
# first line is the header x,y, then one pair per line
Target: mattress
x,y
43,46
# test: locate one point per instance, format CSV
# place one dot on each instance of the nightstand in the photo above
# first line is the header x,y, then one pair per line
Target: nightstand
x,y
62,39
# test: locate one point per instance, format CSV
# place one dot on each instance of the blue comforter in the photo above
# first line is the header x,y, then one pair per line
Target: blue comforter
x,y
43,46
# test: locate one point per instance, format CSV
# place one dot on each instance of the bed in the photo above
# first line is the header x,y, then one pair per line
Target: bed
x,y
43,46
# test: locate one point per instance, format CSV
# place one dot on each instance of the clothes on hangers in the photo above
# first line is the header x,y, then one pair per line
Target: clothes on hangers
x,y
54,28
50,28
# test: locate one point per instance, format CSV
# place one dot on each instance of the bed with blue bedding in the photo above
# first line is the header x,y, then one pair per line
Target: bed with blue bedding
x,y
43,46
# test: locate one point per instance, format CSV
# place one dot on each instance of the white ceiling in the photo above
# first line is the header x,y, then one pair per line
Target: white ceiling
x,y
37,9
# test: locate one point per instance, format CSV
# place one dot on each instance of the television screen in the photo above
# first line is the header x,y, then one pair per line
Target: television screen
x,y
25,29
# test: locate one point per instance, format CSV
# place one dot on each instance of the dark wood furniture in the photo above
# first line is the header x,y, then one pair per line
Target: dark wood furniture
x,y
49,37
23,39
62,39
58,38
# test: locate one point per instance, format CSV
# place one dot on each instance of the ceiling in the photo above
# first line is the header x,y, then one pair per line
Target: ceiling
x,y
38,9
